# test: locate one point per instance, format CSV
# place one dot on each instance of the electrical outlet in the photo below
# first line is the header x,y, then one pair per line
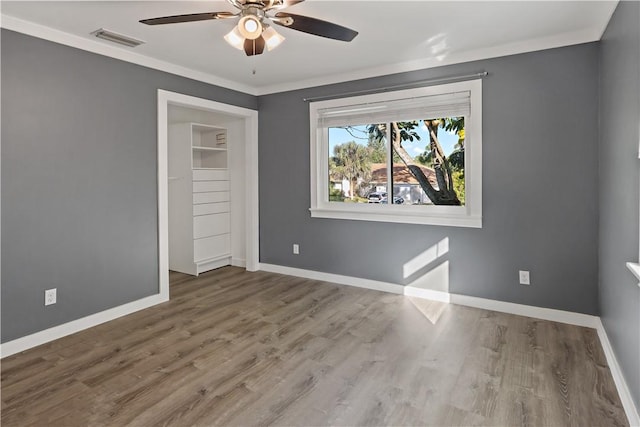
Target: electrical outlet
x,y
50,296
525,279
296,249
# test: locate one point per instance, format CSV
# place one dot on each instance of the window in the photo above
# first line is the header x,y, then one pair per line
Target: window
x,y
412,156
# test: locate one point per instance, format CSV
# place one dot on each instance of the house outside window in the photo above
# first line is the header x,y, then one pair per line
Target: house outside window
x,y
412,156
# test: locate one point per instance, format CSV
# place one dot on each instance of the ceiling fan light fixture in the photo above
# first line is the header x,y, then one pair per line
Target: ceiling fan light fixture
x,y
253,31
235,39
250,27
272,38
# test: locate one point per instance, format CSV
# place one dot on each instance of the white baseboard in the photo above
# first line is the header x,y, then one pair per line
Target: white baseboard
x,y
42,337
238,262
211,264
412,291
334,278
554,315
623,389
560,316
551,314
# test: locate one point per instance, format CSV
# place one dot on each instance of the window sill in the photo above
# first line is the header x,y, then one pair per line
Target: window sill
x,y
635,269
395,217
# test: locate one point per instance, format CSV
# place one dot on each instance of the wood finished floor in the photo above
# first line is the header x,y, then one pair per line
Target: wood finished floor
x,y
238,348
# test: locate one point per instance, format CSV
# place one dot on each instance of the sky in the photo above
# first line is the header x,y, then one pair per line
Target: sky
x,y
448,140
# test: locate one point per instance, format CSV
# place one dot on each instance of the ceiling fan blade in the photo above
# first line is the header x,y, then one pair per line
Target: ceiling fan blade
x,y
317,27
281,4
254,47
188,18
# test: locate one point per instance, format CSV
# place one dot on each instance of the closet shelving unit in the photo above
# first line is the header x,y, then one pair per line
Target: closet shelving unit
x,y
199,198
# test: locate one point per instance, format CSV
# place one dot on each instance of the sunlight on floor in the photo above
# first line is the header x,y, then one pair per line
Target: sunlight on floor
x,y
432,310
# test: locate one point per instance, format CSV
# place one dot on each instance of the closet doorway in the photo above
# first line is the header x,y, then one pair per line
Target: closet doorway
x,y
207,186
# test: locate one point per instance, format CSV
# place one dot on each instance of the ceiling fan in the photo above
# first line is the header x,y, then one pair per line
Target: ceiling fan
x,y
254,31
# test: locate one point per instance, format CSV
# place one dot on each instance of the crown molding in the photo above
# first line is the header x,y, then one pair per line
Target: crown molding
x,y
101,48
544,43
606,24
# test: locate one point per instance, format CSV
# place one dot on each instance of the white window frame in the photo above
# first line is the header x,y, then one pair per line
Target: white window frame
x,y
469,215
634,267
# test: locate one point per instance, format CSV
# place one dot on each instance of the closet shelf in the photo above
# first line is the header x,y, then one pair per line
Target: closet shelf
x,y
202,148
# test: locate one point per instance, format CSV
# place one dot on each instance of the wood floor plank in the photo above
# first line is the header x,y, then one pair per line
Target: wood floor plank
x,y
235,348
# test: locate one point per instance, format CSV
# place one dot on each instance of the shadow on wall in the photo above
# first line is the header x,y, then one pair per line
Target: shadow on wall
x,y
429,269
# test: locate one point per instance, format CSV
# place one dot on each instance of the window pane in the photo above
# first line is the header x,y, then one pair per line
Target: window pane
x,y
436,180
357,164
428,162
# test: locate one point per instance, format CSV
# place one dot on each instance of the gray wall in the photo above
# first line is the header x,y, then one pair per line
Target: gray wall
x,y
79,186
619,187
540,188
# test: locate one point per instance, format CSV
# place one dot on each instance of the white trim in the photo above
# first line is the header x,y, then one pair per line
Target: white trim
x,y
605,24
163,203
252,224
429,294
635,269
544,43
623,389
469,215
237,262
334,278
56,332
0,191
48,33
123,54
252,195
399,217
554,315
207,265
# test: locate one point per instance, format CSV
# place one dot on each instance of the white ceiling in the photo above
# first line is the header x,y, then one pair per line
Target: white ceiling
x,y
393,36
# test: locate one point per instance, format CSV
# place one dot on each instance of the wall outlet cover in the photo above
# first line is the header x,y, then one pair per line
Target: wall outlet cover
x,y
296,249
50,296
525,278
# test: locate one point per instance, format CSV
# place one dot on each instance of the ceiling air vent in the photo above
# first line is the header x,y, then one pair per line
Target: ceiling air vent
x,y
116,38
